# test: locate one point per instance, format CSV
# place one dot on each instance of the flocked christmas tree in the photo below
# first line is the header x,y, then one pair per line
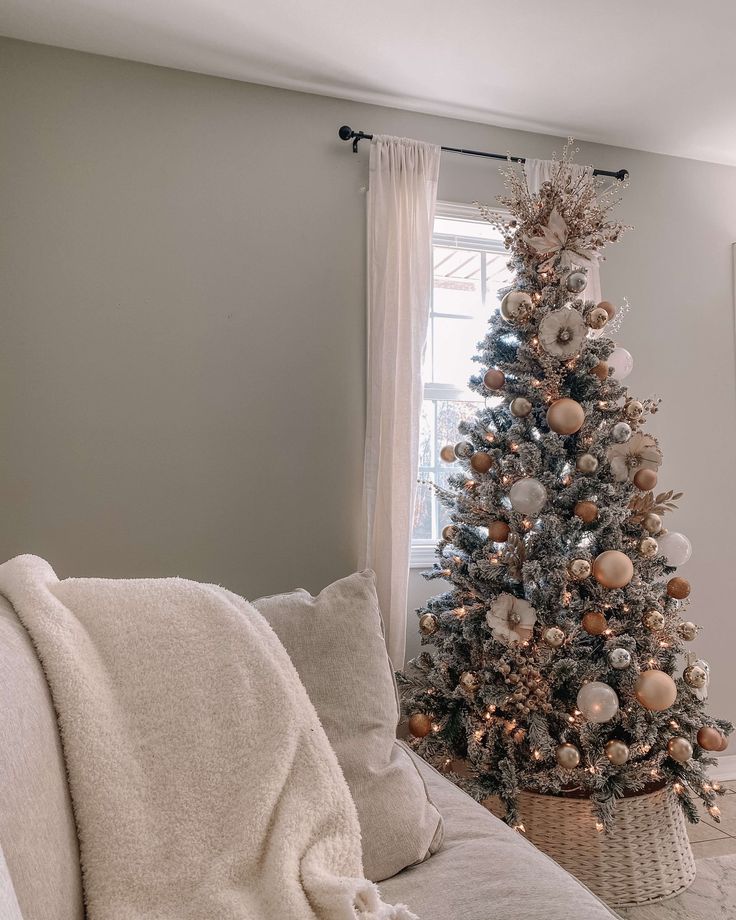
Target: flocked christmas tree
x,y
560,655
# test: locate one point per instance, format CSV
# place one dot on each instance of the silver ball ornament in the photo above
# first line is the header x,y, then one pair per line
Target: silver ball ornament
x,y
576,282
464,450
516,307
621,432
528,496
428,624
648,547
579,569
567,756
687,631
653,619
619,658
586,463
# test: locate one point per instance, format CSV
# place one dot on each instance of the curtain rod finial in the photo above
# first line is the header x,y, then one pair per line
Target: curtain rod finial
x,y
345,132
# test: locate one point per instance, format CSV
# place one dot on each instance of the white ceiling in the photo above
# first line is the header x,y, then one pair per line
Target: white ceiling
x,y
656,75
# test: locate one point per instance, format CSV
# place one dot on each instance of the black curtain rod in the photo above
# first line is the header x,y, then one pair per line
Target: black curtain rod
x,y
346,133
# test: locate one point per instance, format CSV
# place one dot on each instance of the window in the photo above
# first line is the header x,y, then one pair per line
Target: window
x,y
469,268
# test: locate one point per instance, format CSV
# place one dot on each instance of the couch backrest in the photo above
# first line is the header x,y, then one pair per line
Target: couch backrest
x,y
37,833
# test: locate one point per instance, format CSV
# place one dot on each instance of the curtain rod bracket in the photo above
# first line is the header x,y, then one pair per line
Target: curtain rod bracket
x,y
346,133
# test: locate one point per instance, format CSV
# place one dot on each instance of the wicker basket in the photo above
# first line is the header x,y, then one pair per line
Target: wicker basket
x,y
645,857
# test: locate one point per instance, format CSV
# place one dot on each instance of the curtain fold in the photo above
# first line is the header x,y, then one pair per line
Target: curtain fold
x,y
402,195
539,171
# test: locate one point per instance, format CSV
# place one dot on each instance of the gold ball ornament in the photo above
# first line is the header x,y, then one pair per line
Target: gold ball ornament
x,y
680,749
567,756
678,588
655,690
594,623
470,681
695,676
611,309
597,318
586,463
613,569
652,523
449,533
653,619
565,416
617,752
687,631
553,637
648,547
579,569
464,450
494,379
633,410
428,624
586,511
481,462
516,307
600,371
448,453
645,480
420,725
709,738
498,531
520,407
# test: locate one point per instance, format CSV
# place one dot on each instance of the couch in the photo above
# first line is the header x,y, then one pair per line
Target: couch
x,y
482,869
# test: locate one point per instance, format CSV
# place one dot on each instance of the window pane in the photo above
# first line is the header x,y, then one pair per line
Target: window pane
x,y
458,227
423,509
458,339
457,281
449,415
426,435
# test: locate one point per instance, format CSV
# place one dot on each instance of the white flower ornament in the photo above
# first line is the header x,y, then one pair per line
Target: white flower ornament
x,y
553,244
511,619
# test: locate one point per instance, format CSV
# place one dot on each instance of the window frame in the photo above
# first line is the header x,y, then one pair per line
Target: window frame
x,y
422,553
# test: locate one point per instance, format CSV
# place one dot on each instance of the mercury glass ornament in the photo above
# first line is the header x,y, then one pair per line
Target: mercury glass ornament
x,y
470,681
687,631
680,749
597,318
449,533
621,432
621,362
576,282
619,658
586,463
567,756
516,307
597,701
528,496
633,409
617,752
464,450
695,676
675,547
652,523
553,637
648,547
520,407
653,619
428,624
579,569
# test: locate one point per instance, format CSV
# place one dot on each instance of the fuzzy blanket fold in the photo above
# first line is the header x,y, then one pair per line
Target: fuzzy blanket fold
x,y
204,787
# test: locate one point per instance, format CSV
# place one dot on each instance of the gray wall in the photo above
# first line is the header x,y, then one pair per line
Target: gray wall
x,y
182,334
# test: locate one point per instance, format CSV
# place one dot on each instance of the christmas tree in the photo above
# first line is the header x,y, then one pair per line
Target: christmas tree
x,y
559,658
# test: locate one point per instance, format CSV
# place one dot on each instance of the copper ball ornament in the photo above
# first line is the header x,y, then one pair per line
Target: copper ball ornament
x,y
420,724
448,453
428,624
611,309
494,379
709,738
520,407
613,569
678,588
464,450
449,533
680,749
653,619
586,463
567,756
723,745
648,547
597,318
498,531
481,462
619,658
617,752
586,511
600,371
645,479
553,637
594,623
652,523
565,416
655,690
516,307
579,569
687,631
576,282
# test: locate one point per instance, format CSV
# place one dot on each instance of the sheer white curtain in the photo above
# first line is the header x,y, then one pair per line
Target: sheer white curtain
x,y
537,172
401,203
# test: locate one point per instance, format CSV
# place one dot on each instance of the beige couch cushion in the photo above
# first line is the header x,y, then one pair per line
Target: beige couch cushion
x,y
336,643
37,833
486,871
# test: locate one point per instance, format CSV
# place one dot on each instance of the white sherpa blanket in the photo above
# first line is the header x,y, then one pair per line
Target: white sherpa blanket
x,y
203,785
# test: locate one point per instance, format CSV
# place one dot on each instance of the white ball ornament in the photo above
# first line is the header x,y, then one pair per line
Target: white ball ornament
x,y
528,496
621,432
516,307
597,701
622,363
675,547
619,658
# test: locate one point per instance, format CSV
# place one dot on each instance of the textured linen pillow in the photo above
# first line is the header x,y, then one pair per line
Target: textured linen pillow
x,y
336,643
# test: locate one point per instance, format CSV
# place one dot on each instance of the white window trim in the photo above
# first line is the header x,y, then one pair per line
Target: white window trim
x,y
422,554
